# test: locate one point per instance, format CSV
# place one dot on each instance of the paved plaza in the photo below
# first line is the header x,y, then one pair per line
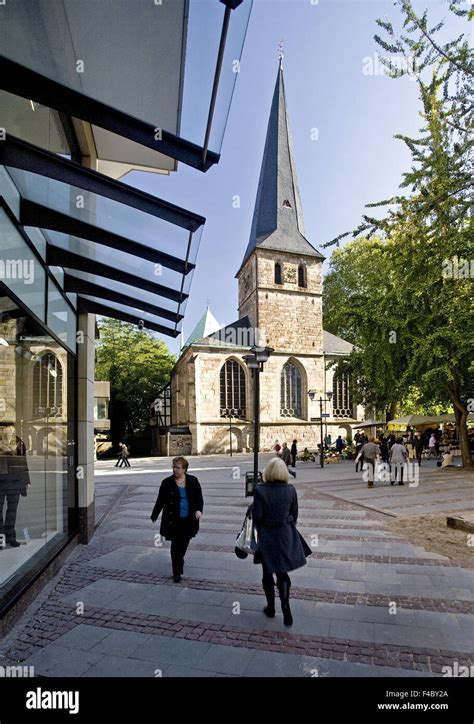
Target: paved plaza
x,y
113,609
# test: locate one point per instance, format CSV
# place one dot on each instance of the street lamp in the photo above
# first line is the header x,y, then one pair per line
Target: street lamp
x,y
228,412
328,398
255,362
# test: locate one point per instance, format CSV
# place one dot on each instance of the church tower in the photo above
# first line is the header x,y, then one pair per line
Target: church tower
x,y
280,275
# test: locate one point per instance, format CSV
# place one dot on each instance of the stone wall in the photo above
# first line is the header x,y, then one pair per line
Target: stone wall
x,y
289,317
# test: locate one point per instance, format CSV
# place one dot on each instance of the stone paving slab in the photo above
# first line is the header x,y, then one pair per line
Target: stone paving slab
x,y
135,616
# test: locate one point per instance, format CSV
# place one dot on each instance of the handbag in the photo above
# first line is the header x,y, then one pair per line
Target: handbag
x,y
247,540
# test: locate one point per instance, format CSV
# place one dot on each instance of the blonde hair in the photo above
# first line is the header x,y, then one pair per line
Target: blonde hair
x,y
276,470
182,461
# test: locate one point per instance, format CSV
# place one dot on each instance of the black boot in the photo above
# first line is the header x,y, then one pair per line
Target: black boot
x,y
284,591
269,589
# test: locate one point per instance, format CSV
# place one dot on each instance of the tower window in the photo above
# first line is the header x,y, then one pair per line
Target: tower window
x,y
302,276
287,204
47,386
278,274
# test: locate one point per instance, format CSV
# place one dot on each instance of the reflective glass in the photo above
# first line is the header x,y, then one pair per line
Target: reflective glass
x,y
36,454
134,311
61,318
34,123
20,269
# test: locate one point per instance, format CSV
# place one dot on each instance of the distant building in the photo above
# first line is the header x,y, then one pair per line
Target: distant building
x,y
209,400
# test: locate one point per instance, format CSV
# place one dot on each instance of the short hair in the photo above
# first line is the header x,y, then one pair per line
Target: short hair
x,y
371,438
276,470
181,460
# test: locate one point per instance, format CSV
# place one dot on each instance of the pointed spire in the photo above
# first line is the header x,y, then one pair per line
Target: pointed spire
x,y
278,216
207,325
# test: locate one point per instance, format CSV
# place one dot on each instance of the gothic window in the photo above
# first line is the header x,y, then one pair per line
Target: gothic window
x,y
290,391
47,386
342,403
278,277
301,276
232,389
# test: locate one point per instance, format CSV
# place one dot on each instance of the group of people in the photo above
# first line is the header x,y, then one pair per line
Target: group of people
x,y
288,455
391,451
124,454
280,549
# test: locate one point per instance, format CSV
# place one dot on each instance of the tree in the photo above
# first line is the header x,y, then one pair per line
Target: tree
x,y
137,365
428,232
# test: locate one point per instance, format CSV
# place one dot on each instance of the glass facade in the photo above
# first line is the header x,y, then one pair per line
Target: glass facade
x,y
37,481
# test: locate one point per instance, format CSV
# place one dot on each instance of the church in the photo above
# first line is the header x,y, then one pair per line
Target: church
x,y
208,405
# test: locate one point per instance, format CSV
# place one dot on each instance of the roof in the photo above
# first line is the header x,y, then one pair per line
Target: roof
x,y
335,345
206,326
278,216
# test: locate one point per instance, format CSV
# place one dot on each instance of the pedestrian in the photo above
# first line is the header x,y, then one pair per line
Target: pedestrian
x,y
398,459
370,451
294,453
180,499
340,444
125,456
281,548
432,445
359,458
276,445
384,448
286,457
327,441
14,483
120,455
418,443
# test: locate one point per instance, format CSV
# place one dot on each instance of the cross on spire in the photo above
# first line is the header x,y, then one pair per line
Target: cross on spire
x,y
280,52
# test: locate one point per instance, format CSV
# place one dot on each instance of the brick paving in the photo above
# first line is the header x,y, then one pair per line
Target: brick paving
x,y
339,622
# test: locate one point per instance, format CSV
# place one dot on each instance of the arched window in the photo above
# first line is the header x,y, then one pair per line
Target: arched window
x,y
233,397
278,278
301,276
342,402
290,391
287,204
47,386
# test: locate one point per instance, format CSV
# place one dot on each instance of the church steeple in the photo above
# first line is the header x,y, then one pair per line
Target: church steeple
x,y
278,216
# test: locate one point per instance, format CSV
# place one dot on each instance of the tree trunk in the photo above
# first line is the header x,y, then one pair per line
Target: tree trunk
x,y
392,410
461,415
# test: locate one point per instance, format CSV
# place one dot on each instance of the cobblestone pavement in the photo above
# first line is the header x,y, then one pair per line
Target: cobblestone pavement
x,y
367,603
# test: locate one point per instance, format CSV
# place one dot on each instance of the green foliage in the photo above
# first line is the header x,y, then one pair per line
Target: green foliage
x,y
136,364
401,278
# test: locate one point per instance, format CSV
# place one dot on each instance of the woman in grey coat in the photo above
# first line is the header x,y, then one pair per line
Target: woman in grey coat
x,y
280,547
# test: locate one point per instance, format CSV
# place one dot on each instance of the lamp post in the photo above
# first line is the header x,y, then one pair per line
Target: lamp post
x,y
229,411
312,397
255,362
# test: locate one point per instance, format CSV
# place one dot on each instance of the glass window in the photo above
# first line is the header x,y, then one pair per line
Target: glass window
x,y
232,385
20,269
301,276
342,399
100,408
61,317
290,391
34,123
36,444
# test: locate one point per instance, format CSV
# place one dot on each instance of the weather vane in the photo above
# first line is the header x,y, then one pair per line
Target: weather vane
x,y
280,52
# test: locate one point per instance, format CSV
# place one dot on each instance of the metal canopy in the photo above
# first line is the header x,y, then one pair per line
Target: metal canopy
x,y
34,214
26,83
115,243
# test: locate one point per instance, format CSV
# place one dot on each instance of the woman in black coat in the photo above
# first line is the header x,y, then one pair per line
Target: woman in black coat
x,y
280,546
180,499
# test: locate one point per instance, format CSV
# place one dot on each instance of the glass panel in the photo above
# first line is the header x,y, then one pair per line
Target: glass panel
x,y
20,269
61,318
138,313
103,213
100,408
34,123
9,191
36,420
125,289
87,46
202,47
142,268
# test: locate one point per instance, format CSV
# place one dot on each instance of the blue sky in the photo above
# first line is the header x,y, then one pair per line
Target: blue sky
x,y
328,49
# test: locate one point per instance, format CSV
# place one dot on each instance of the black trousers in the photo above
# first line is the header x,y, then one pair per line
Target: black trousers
x,y
179,546
10,518
293,460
